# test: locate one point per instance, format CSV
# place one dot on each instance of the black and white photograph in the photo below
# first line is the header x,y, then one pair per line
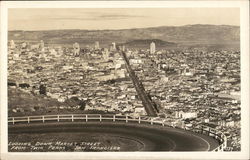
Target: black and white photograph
x,y
124,79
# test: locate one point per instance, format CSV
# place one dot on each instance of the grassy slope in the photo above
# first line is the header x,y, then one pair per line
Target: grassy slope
x,y
43,105
20,99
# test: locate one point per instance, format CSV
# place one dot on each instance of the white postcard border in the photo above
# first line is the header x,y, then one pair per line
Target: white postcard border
x,y
244,33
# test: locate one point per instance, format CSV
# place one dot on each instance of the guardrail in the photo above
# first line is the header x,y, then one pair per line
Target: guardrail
x,y
85,117
113,118
218,135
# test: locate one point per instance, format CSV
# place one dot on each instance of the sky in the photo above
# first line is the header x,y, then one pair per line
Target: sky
x,y
117,18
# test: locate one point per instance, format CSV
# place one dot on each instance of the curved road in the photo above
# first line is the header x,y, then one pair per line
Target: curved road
x,y
145,137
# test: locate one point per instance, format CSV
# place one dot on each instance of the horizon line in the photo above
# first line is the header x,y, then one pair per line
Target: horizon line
x,y
129,28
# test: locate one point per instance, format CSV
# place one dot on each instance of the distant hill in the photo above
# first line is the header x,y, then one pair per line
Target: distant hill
x,y
144,43
188,34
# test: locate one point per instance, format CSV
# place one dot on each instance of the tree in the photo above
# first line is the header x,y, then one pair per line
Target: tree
x,y
75,101
82,105
42,89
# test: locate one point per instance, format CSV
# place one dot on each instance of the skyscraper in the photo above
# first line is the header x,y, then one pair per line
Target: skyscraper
x,y
12,44
152,47
97,45
123,48
113,46
41,45
106,54
76,49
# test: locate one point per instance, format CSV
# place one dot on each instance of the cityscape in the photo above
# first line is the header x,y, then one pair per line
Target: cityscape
x,y
185,85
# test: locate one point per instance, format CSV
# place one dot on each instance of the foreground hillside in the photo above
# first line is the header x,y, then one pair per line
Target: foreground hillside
x,y
23,103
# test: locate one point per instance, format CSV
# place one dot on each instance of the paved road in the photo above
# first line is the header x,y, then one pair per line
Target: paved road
x,y
147,103
153,138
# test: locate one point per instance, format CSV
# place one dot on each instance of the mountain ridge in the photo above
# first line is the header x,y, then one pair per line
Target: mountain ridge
x,y
188,34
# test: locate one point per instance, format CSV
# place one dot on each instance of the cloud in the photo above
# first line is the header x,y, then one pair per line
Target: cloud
x,y
117,16
70,18
94,16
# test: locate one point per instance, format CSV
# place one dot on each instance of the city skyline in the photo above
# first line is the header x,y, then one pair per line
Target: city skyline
x,y
118,18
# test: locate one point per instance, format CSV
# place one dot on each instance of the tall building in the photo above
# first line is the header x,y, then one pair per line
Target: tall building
x,y
76,49
113,46
106,54
12,44
23,47
97,45
123,48
41,45
152,48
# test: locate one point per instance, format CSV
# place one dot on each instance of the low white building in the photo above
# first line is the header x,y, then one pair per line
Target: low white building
x,y
186,115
